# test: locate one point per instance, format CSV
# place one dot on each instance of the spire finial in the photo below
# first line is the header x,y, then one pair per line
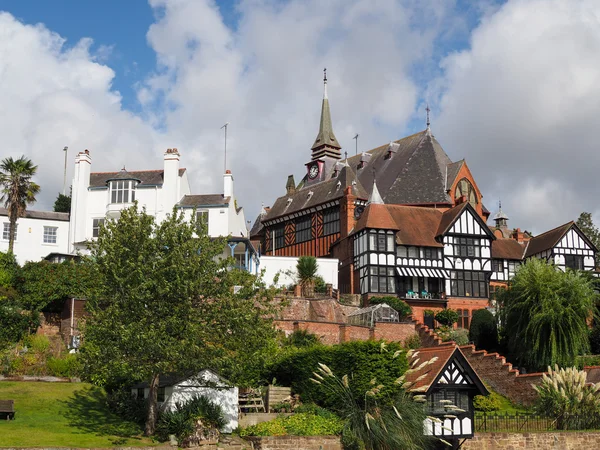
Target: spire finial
x,y
345,155
375,197
325,83
428,122
499,205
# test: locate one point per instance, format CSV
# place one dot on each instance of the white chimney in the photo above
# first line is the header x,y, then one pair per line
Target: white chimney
x,y
170,188
228,184
81,183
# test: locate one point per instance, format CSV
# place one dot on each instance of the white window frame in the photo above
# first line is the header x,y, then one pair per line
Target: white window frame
x,y
6,231
96,224
122,191
49,233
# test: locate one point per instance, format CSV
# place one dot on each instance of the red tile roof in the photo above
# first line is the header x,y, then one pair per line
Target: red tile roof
x,y
431,371
547,240
507,249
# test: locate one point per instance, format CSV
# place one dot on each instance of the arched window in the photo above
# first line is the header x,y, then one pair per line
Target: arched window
x,y
466,189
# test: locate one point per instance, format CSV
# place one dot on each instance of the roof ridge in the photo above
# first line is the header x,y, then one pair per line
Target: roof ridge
x,y
554,229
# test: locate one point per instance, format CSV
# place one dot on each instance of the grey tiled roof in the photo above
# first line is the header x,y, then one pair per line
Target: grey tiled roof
x,y
204,200
146,177
48,215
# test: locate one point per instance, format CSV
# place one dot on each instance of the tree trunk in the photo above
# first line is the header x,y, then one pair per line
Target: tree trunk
x,y
308,289
152,407
11,232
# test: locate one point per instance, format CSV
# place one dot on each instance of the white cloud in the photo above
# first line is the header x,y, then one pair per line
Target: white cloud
x,y
521,104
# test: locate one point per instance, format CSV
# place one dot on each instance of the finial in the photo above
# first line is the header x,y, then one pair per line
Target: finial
x,y
325,75
123,169
499,205
345,155
427,109
325,83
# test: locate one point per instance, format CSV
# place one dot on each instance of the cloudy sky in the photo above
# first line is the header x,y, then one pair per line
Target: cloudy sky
x,y
514,88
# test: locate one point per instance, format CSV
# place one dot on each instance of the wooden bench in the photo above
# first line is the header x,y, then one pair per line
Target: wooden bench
x,y
7,409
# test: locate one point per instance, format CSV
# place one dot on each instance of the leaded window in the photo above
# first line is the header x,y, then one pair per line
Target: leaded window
x,y
469,247
468,284
382,279
279,234
331,221
497,265
303,229
431,253
381,241
574,262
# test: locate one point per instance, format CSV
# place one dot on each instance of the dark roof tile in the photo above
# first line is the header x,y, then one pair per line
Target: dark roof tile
x,y
190,201
48,215
146,177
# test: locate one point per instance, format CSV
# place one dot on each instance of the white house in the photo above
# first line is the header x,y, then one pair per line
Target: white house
x,y
174,390
98,196
38,234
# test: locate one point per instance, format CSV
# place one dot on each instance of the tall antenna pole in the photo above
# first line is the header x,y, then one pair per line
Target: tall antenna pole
x,y
225,161
356,139
65,171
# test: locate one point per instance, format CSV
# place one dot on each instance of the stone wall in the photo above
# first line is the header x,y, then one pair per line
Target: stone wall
x,y
572,440
296,442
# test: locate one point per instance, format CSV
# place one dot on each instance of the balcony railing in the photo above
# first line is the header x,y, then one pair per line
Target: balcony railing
x,y
424,295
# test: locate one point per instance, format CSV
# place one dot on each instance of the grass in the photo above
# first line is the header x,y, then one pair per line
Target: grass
x,y
64,415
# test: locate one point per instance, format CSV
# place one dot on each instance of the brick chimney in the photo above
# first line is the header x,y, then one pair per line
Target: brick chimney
x,y
347,220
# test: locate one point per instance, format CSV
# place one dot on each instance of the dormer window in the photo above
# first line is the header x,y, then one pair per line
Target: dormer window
x,y
122,191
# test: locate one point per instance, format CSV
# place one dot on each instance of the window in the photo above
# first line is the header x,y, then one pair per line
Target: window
x,y
468,284
413,252
303,230
96,224
6,231
463,318
402,251
50,235
279,233
202,218
498,265
381,241
140,393
574,262
383,279
160,395
432,253
469,247
458,398
122,191
331,221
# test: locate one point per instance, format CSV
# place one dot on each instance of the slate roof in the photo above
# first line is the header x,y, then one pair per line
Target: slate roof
x,y
507,249
190,201
415,174
146,177
48,215
547,240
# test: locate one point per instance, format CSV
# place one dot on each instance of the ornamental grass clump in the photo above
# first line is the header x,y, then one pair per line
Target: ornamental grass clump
x,y
564,395
378,421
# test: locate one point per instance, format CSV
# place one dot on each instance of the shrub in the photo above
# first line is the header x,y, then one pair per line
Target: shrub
x,y
460,336
320,285
394,302
15,323
302,338
488,403
587,360
361,360
181,421
595,339
315,410
63,367
447,317
483,331
413,342
563,395
300,424
37,343
127,406
282,407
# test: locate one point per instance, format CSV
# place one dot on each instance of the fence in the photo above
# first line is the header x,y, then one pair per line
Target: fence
x,y
507,423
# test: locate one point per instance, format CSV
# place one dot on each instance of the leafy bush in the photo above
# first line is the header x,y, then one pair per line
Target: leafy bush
x,y
300,424
394,302
428,313
315,410
320,285
127,406
302,338
37,343
413,342
360,360
459,335
564,395
282,407
181,421
63,367
15,323
595,339
447,317
487,403
9,270
483,331
587,360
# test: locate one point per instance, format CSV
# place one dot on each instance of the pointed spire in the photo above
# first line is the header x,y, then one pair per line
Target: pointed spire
x,y
326,143
428,121
375,198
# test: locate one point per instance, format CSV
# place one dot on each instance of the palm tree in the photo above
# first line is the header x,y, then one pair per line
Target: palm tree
x,y
17,190
307,268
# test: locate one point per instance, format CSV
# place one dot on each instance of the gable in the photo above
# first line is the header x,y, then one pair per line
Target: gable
x,y
466,222
575,239
458,372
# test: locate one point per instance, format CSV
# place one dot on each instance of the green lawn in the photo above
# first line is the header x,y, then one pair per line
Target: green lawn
x,y
63,415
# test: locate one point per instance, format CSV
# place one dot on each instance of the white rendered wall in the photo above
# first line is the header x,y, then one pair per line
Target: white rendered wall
x,y
272,265
30,245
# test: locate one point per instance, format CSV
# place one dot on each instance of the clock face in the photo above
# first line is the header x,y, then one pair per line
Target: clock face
x,y
358,211
313,171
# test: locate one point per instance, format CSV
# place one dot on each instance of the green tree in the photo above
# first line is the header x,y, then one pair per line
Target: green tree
x,y
307,268
18,190
544,314
62,203
164,304
586,224
447,317
483,331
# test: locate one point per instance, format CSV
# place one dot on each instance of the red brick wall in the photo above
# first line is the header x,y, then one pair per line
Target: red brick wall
x,y
394,332
572,440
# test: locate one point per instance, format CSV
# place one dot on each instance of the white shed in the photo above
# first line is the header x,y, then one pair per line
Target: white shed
x,y
173,390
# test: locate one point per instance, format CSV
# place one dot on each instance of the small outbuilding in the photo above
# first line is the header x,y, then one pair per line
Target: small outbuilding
x,y
173,390
449,383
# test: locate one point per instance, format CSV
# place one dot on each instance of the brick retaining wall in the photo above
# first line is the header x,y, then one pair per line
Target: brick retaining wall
x,y
579,440
296,442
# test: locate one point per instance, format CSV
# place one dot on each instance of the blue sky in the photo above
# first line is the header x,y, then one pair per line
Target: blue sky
x,y
511,85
